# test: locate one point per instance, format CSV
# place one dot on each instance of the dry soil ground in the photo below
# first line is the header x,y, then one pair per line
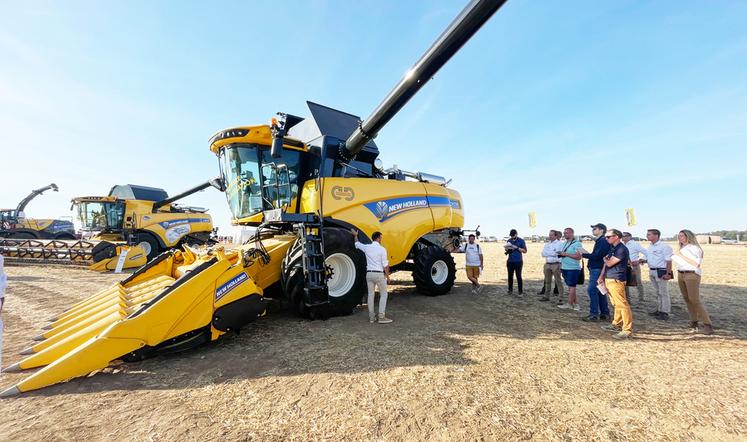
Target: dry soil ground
x,y
458,367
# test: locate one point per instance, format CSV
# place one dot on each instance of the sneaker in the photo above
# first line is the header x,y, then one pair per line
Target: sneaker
x,y
693,326
565,306
384,320
604,317
371,319
591,318
473,291
662,316
576,307
622,335
611,328
654,313
707,329
544,299
479,288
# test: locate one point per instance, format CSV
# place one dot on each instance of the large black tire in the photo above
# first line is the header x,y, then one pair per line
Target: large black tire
x,y
347,279
434,272
65,236
23,235
149,243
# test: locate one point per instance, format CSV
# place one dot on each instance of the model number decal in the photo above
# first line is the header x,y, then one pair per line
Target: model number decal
x,y
231,284
346,193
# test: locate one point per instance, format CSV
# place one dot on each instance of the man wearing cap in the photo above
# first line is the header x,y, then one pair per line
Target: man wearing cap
x,y
598,308
515,247
635,251
552,265
659,259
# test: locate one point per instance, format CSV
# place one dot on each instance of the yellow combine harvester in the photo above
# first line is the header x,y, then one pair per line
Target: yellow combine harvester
x,y
14,223
303,183
140,221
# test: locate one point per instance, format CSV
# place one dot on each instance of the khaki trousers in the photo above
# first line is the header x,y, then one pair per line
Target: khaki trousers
x,y
637,275
623,315
661,287
373,280
690,288
552,270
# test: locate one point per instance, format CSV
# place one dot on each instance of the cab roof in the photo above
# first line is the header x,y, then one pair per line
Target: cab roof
x,y
135,192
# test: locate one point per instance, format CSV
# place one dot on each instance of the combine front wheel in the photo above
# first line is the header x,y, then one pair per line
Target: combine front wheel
x,y
346,273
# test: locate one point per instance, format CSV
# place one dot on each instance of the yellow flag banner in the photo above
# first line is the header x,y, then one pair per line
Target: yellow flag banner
x,y
532,219
630,216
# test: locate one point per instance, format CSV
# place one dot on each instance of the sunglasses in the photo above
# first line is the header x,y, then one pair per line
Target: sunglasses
x,y
609,236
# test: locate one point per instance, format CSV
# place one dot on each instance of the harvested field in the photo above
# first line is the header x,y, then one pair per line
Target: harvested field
x,y
456,367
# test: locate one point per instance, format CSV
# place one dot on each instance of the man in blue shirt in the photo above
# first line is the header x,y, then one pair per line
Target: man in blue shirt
x,y
514,249
615,276
598,308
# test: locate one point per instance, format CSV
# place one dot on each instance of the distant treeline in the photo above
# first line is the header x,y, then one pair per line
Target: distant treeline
x,y
729,234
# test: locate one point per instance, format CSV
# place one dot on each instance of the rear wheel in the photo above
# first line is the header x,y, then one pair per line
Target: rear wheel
x,y
65,236
435,271
346,276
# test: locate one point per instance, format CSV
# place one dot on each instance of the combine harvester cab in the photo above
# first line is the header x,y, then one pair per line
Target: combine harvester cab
x,y
303,183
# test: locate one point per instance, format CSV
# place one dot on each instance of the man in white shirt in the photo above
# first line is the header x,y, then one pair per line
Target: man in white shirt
x,y
473,262
377,274
552,265
635,250
659,260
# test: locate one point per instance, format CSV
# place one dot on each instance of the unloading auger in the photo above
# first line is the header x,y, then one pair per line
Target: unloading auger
x,y
303,183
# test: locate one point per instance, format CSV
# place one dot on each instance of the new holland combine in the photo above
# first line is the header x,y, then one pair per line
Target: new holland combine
x,y
14,223
140,221
303,183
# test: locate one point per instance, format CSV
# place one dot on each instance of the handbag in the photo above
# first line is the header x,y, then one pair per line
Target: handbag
x,y
630,279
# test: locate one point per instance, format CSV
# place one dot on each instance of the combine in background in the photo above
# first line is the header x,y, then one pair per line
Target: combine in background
x,y
14,224
135,222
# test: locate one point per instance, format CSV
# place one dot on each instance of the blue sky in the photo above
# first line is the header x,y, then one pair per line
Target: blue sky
x,y
575,111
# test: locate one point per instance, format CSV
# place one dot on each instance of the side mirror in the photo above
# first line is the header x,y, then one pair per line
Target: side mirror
x,y
277,128
218,183
276,150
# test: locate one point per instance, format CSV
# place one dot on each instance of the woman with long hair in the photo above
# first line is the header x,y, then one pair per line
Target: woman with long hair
x,y
688,260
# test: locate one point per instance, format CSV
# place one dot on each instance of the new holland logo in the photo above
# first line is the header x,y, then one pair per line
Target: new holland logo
x,y
229,285
382,209
386,209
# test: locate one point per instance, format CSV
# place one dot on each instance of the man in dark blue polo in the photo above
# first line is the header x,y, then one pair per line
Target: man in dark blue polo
x,y
598,308
614,278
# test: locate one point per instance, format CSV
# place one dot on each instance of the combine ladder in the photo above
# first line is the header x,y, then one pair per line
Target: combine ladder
x,y
316,292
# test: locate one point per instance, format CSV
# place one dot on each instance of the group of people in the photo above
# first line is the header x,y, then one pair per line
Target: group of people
x,y
614,266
